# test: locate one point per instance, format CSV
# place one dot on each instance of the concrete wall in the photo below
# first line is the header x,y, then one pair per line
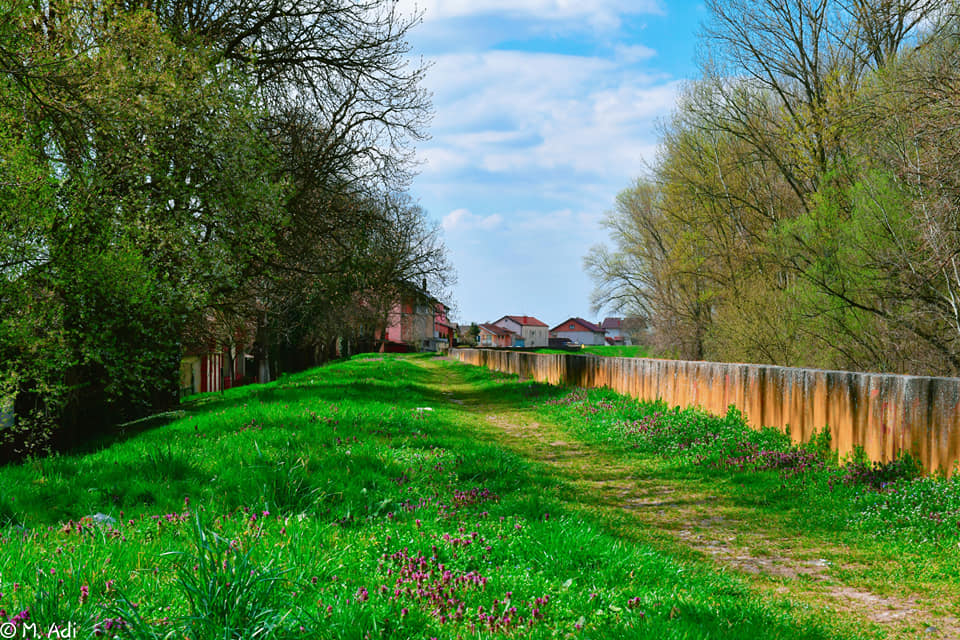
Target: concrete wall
x,y
885,414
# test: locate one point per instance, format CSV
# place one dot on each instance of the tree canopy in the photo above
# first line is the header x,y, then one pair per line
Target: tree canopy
x,y
169,165
804,207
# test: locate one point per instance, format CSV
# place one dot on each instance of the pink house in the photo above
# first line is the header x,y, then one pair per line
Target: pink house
x,y
442,327
417,322
492,335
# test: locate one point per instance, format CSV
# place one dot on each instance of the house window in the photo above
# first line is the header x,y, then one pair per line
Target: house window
x,y
571,325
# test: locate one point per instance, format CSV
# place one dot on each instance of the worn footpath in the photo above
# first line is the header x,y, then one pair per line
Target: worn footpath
x,y
689,518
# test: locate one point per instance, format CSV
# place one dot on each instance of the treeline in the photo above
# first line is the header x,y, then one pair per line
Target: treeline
x,y
176,173
804,209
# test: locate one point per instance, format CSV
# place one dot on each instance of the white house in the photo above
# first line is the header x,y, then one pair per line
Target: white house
x,y
531,332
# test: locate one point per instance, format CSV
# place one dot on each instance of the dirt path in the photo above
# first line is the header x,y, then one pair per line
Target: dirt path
x,y
683,518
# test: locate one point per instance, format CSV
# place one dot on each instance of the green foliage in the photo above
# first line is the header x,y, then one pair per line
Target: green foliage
x,y
228,593
121,222
819,445
161,185
802,211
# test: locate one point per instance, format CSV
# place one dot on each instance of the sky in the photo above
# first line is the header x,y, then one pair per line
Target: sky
x,y
543,111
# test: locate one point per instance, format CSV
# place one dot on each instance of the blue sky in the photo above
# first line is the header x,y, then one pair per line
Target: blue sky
x,y
544,111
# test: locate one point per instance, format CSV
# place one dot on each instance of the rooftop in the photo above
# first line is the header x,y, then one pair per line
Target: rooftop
x,y
586,324
497,331
525,321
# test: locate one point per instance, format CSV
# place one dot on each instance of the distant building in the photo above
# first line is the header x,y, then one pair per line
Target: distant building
x,y
580,331
613,330
418,322
492,335
530,331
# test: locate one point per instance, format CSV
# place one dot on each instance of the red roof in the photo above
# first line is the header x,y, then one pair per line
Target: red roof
x,y
589,326
525,321
498,331
611,323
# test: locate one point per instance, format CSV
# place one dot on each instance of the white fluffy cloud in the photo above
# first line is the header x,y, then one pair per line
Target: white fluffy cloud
x,y
634,52
463,220
504,111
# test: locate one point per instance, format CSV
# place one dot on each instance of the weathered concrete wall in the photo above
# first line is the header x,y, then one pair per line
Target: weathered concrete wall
x,y
885,414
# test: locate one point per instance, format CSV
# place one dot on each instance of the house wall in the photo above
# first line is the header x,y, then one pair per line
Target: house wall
x,y
513,325
417,327
884,414
394,333
532,336
441,325
583,337
491,340
536,336
411,323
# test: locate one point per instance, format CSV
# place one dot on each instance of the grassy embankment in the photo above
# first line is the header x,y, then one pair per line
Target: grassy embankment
x,y
378,498
608,351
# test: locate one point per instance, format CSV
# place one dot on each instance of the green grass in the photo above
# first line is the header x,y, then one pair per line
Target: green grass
x,y
882,528
890,501
353,501
609,351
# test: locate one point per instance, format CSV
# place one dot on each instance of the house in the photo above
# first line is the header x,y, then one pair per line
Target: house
x,y
530,331
444,331
214,369
218,354
492,335
580,331
417,322
613,330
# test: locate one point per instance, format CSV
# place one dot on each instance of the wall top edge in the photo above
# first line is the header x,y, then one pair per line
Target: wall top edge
x,y
764,367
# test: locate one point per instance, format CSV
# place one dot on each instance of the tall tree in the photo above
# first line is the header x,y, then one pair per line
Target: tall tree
x,y
805,184
159,158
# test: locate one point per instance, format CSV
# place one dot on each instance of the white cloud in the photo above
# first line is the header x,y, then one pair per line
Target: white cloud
x,y
542,138
508,111
599,12
441,159
490,222
463,220
634,52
